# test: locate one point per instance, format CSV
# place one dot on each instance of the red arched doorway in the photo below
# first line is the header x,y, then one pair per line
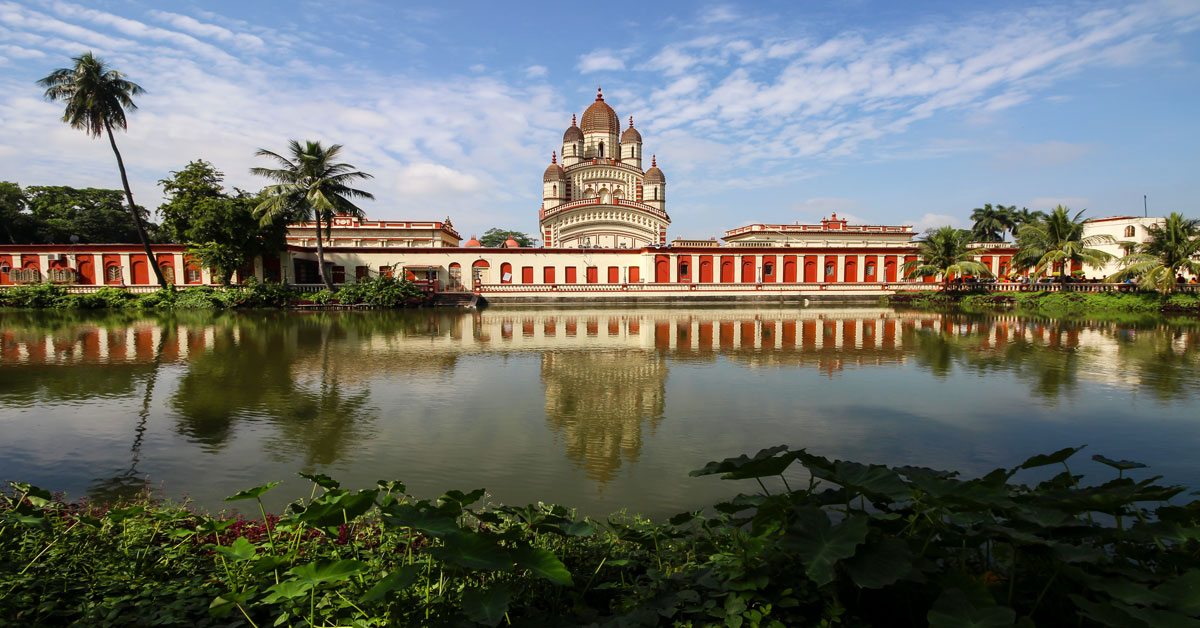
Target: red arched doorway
x,y
706,271
789,271
662,269
140,273
455,273
851,273
506,273
810,271
86,269
747,269
480,272
727,270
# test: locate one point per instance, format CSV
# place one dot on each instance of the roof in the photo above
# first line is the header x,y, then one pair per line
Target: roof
x,y
654,175
631,134
599,117
573,134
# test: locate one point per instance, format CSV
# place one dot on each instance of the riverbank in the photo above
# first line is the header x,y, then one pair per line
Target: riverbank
x,y
1052,303
863,545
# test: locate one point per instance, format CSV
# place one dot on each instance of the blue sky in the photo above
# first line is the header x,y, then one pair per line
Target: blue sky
x,y
888,112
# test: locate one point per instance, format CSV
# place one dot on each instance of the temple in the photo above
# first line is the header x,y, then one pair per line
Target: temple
x,y
603,223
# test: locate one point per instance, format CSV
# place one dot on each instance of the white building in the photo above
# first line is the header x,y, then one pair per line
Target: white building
x,y
1126,232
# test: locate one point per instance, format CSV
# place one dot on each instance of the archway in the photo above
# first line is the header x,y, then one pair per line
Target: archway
x,y
506,273
810,272
662,270
789,271
139,272
455,276
480,272
87,272
748,270
727,271
706,272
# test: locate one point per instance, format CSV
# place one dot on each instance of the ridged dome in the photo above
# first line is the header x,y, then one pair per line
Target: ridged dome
x,y
510,243
654,175
553,173
631,134
472,242
573,133
599,117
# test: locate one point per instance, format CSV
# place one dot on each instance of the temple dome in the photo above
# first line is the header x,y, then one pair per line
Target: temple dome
x,y
573,133
554,172
599,117
654,175
472,242
631,134
510,243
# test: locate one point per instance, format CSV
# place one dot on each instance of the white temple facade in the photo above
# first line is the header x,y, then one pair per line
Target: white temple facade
x,y
600,197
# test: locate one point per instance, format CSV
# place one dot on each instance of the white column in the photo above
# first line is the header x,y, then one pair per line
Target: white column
x,y
180,268
759,273
258,267
841,267
126,271
43,266
673,263
880,275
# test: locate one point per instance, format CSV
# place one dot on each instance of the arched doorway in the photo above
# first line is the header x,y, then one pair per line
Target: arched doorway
x,y
851,272
455,276
789,271
706,271
727,270
747,270
480,272
139,271
87,271
506,273
662,270
810,272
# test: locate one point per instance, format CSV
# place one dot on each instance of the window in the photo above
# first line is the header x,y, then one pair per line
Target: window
x,y
768,269
870,268
600,150
112,273
192,275
829,268
683,269
339,274
1130,231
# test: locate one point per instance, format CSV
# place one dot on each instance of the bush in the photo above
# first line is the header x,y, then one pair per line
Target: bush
x,y
36,295
380,290
324,297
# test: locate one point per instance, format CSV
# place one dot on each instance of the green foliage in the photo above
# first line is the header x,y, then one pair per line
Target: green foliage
x,y
1051,303
97,216
990,222
17,225
859,545
220,230
944,253
496,237
1172,248
379,290
35,295
1057,239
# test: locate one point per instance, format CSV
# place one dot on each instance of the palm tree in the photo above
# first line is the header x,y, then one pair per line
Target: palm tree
x,y
990,223
312,185
1057,240
96,98
1023,217
1172,247
944,252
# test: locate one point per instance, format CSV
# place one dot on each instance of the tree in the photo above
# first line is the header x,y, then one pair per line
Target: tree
x,y
1023,217
990,223
1171,247
17,225
96,216
311,186
1057,240
943,252
220,230
96,99
496,236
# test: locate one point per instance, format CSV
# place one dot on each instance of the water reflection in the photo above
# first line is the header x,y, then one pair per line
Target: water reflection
x,y
612,391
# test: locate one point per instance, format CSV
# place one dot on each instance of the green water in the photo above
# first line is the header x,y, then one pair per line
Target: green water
x,y
597,409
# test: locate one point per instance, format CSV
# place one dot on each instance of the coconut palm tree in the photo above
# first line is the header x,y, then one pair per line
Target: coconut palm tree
x,y
311,185
944,252
990,223
1171,247
1057,240
97,97
1022,217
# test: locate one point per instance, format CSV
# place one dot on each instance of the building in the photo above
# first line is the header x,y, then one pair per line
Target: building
x,y
1126,233
603,221
600,197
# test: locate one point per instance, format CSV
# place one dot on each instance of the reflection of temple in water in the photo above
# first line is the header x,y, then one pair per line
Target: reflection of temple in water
x,y
598,403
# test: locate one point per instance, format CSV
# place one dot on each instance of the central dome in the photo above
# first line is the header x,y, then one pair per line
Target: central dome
x,y
599,117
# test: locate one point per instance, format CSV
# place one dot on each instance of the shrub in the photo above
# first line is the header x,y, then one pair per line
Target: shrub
x,y
380,290
37,295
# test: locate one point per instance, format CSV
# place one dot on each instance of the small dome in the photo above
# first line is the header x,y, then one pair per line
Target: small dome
x,y
510,243
599,117
631,134
472,242
654,175
573,133
554,172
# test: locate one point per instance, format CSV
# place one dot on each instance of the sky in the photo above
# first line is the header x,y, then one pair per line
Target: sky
x,y
884,112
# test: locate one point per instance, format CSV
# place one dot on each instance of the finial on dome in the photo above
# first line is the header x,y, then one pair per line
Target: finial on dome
x,y
553,156
631,122
573,120
653,161
599,93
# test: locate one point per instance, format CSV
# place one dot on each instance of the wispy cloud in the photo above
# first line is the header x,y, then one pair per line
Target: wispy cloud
x,y
599,61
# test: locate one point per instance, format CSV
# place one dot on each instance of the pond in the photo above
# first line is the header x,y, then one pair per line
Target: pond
x,y
598,409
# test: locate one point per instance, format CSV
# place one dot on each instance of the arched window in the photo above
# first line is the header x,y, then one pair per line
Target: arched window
x,y
555,190
829,269
455,275
1130,231
870,268
112,273
600,150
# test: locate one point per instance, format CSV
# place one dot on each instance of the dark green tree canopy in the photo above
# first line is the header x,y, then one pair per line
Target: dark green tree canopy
x,y
1172,249
1057,240
945,252
17,225
219,228
496,236
97,216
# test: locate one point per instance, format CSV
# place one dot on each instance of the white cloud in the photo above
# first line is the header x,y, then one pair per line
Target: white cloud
x,y
600,61
536,71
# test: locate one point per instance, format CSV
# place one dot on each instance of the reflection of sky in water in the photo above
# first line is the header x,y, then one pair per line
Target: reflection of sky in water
x,y
599,409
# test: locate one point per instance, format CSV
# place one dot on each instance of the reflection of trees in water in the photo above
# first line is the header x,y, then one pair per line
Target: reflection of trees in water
x,y
316,419
597,401
1050,354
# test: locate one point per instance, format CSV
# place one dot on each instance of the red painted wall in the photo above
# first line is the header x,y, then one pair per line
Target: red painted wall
x,y
811,272
747,269
527,274
727,269
548,274
85,268
851,274
635,274
662,268
593,274
769,263
571,278
789,269
614,274
684,268
706,269
140,272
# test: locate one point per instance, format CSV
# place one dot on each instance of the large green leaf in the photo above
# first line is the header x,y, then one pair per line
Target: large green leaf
x,y
117,515
321,571
1042,460
543,563
239,550
764,464
821,545
336,508
430,522
287,590
39,497
577,528
880,563
226,602
1183,593
1120,465
454,502
486,606
871,480
398,579
473,551
252,493
954,610
320,479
